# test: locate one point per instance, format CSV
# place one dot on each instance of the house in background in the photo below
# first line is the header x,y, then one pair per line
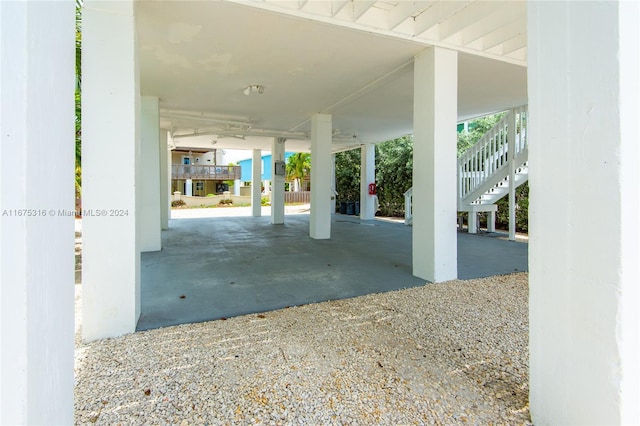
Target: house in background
x,y
266,175
198,172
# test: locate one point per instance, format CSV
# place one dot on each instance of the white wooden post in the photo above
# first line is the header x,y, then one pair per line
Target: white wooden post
x,y
583,162
110,141
367,176
320,217
511,148
36,212
149,216
277,195
435,256
256,183
165,181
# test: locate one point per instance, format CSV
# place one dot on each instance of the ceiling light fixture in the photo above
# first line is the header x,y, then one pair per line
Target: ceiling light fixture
x,y
254,88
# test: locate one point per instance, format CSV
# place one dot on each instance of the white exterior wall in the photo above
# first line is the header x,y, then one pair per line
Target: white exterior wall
x,y
36,252
149,193
367,176
320,216
584,236
435,112
110,153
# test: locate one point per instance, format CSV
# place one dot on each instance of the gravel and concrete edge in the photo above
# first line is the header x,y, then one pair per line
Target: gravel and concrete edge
x,y
449,353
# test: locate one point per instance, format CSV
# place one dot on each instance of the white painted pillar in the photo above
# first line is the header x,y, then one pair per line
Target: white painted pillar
x,y
332,207
320,216
165,181
583,156
511,143
236,187
367,176
491,222
149,192
277,195
256,183
434,165
36,212
110,141
473,223
188,187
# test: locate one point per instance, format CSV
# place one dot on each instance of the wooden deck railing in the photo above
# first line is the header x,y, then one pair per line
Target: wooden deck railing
x,y
206,172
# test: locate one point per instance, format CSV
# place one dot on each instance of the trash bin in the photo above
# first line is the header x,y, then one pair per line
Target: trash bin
x,y
357,208
343,207
351,207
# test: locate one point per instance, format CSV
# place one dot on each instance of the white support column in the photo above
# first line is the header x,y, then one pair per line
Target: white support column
x,y
149,176
188,187
36,212
473,223
511,144
491,222
256,183
277,195
110,143
236,187
165,181
435,255
583,156
332,207
320,217
367,176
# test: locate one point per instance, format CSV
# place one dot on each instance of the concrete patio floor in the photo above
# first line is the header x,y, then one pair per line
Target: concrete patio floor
x,y
218,267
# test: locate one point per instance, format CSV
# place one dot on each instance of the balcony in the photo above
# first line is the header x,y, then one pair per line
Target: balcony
x,y
204,172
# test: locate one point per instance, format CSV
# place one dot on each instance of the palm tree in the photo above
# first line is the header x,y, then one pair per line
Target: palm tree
x,y
298,167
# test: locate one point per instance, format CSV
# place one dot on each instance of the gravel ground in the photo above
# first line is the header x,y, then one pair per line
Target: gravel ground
x,y
450,353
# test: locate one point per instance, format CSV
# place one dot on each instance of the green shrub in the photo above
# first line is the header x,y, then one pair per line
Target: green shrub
x,y
211,195
264,201
178,203
522,210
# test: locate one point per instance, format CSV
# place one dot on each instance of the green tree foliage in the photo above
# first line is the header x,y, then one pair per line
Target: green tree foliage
x,y
298,167
477,128
348,175
394,174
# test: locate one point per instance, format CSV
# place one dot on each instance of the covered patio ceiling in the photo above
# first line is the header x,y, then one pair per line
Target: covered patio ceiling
x,y
350,59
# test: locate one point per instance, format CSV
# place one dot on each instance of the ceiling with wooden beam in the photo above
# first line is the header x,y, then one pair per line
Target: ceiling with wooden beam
x,y
350,59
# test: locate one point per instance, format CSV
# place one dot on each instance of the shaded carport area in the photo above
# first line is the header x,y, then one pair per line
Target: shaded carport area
x,y
212,268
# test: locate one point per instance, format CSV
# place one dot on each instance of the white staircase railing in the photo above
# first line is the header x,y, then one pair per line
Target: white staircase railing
x,y
488,170
490,157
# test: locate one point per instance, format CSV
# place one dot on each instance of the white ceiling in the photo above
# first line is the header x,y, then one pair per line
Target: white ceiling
x,y
199,56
